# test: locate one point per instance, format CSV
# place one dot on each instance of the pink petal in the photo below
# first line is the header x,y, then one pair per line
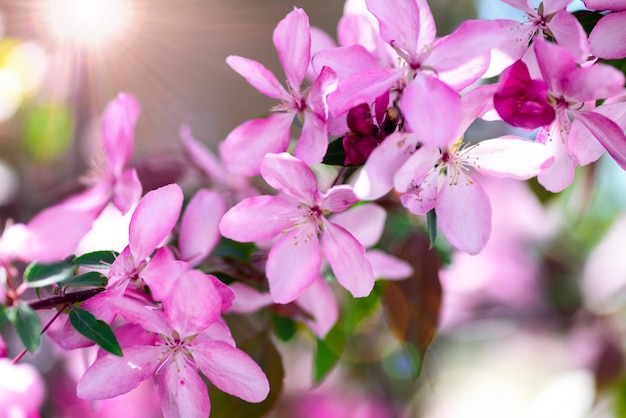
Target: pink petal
x,y
258,76
470,41
607,133
596,82
510,156
583,147
112,376
399,23
182,391
345,60
118,125
246,145
324,84
554,6
292,40
140,313
293,263
320,302
427,29
523,5
423,197
464,215
338,198
346,257
153,220
313,141
432,110
127,191
231,370
161,273
193,303
226,294
365,223
556,64
376,178
362,87
291,176
569,33
258,218
199,227
247,299
388,267
560,174
413,172
54,233
616,5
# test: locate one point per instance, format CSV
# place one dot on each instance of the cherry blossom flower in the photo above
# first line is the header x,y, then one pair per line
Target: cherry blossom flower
x,y
298,219
178,347
244,148
111,181
549,19
21,390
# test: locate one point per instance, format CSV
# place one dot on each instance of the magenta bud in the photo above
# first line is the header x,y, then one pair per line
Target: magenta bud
x,y
358,148
360,120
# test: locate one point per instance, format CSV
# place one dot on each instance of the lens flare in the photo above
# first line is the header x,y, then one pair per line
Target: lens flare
x,y
88,22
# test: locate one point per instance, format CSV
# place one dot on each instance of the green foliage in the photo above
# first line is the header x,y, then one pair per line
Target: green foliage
x,y
41,275
328,353
91,278
96,259
48,131
335,155
27,325
96,330
431,218
284,327
233,249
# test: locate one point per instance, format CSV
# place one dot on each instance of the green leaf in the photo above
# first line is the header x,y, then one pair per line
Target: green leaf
x,y
431,217
40,275
335,155
4,318
328,352
357,309
96,259
229,248
284,327
28,326
91,278
96,330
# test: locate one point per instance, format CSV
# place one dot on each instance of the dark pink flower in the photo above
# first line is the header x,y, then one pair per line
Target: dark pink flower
x,y
521,101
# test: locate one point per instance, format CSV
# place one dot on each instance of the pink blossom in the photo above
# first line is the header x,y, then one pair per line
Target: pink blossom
x,y
244,148
298,218
606,39
549,19
177,349
521,101
21,390
111,181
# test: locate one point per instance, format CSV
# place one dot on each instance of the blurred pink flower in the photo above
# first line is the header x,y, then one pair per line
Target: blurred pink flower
x,y
606,40
21,390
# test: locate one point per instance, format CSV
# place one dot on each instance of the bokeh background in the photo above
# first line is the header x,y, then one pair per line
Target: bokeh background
x,y
533,327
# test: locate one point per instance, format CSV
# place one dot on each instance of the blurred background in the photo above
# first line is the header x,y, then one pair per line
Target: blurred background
x,y
532,327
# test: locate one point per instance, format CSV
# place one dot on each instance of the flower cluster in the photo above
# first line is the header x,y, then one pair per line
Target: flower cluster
x,y
383,118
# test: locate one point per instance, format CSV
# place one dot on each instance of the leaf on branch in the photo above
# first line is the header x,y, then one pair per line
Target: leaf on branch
x,y
284,327
96,259
431,218
27,325
96,330
91,278
412,306
234,249
40,275
328,352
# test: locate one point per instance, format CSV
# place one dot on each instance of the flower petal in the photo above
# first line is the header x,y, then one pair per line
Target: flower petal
x,y
258,218
292,39
319,301
118,126
388,267
610,135
199,231
231,370
365,223
153,220
111,375
399,22
245,146
464,215
161,272
338,198
127,191
607,37
291,176
258,76
346,257
510,156
560,174
193,303
432,110
313,141
345,60
293,263
569,33
182,391
247,299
